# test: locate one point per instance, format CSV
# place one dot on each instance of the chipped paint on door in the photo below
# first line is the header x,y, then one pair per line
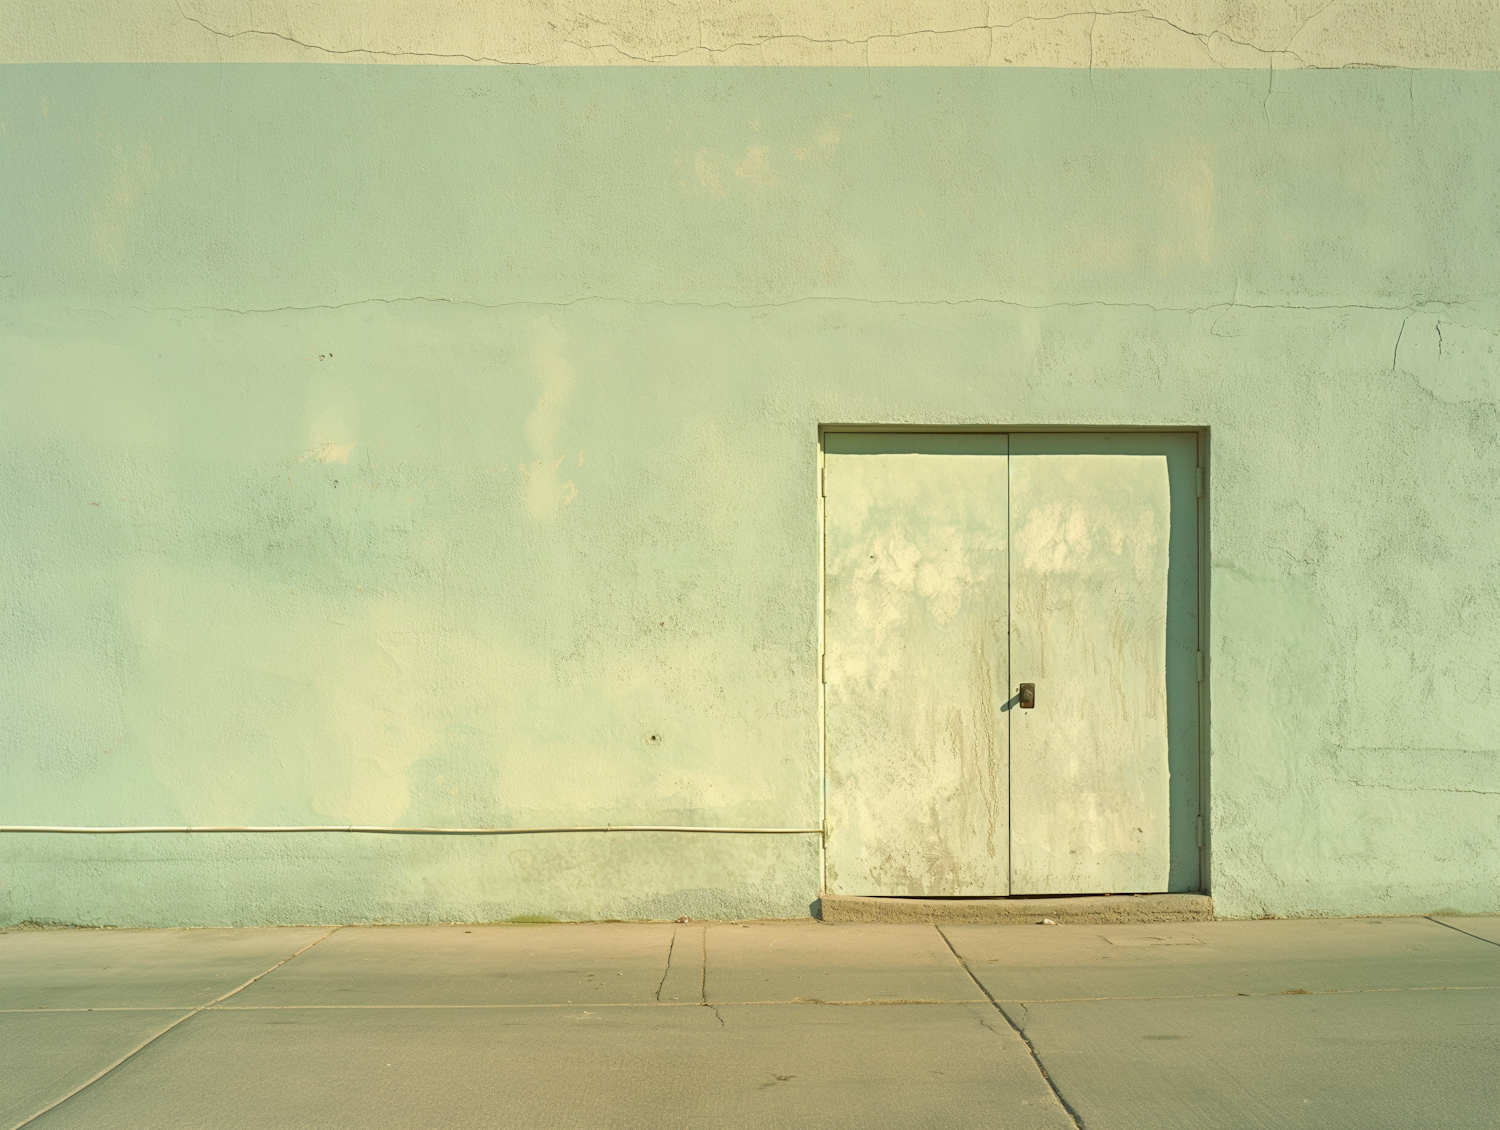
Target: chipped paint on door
x,y
916,665
1103,596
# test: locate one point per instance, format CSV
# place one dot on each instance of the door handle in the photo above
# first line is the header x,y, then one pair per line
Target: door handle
x,y
1026,696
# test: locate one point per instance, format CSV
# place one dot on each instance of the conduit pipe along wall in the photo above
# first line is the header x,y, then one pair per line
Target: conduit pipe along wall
x,y
381,830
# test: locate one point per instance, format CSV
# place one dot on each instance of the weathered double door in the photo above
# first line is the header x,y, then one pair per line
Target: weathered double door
x,y
959,567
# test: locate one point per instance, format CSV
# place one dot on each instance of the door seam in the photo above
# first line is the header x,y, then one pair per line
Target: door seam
x,y
1010,679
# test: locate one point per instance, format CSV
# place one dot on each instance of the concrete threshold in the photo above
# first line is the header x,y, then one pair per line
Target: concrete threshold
x,y
1070,910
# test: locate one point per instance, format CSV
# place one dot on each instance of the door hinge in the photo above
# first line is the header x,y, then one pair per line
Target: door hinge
x,y
1199,830
1200,667
1198,481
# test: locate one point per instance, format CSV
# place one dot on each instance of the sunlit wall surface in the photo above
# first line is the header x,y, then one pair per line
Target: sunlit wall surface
x,y
437,445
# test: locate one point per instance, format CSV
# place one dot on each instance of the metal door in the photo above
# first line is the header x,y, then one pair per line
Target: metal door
x,y
958,567
915,664
1104,625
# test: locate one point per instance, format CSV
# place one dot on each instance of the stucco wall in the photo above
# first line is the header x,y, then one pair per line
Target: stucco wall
x,y
438,444
1253,34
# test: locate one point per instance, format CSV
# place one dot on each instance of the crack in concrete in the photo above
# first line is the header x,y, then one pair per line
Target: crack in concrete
x,y
703,984
990,1027
1018,1029
671,944
176,1023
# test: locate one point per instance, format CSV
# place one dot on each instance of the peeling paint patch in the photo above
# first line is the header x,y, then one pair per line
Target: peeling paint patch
x,y
706,172
824,142
546,491
132,175
326,451
756,167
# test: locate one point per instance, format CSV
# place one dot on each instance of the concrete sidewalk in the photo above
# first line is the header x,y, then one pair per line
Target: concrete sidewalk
x,y
1354,1023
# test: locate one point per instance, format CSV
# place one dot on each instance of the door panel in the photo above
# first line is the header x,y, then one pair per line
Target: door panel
x,y
1104,608
915,664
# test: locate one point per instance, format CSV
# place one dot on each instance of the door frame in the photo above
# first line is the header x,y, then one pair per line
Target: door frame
x,y
1203,436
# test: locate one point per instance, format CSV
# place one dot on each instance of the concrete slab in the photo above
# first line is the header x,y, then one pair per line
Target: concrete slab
x,y
44,1055
1138,1025
656,1067
1016,912
599,963
137,968
1323,1062
811,961
1036,963
1485,927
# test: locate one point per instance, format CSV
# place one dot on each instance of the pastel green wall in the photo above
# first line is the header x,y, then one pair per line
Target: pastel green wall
x,y
412,445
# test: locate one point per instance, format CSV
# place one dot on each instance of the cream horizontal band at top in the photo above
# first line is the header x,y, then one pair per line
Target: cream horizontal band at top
x,y
1189,34
382,830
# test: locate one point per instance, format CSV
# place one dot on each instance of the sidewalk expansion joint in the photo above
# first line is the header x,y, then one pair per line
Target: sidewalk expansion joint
x,y
568,1005
175,1024
1030,1048
1466,934
1266,993
703,981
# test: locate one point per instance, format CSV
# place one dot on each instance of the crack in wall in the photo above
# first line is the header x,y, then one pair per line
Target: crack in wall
x,y
1204,39
453,56
1416,788
1093,24
1409,309
1396,349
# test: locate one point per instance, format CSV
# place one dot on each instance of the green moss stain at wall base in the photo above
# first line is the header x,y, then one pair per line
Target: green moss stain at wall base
x,y
331,495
